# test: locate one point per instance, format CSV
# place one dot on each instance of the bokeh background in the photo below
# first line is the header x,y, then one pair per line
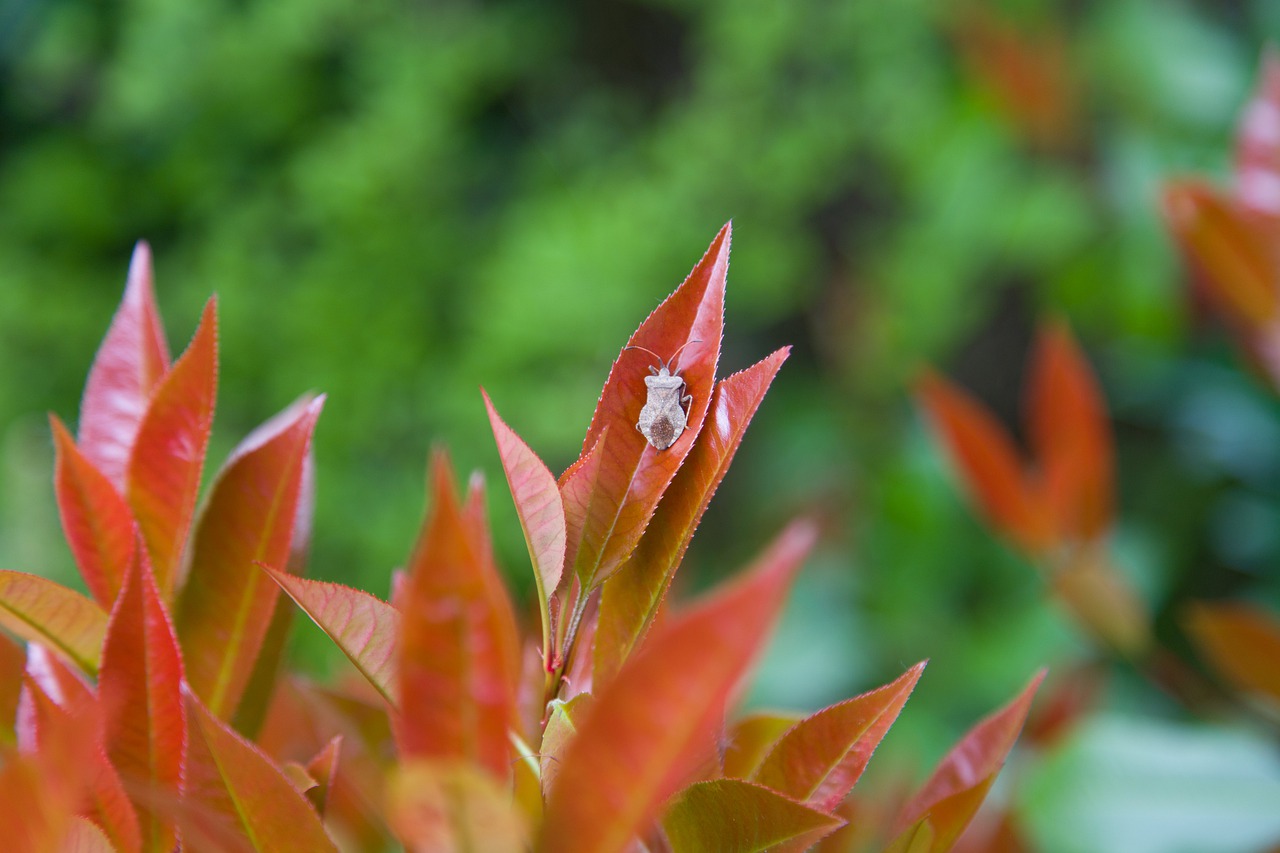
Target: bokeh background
x,y
397,203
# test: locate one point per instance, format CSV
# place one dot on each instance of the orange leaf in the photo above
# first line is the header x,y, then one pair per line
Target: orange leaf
x,y
129,365
649,726
986,460
733,815
633,475
456,683
168,456
39,610
323,768
1070,435
1233,251
750,739
226,605
98,524
1258,142
452,806
820,759
632,597
1241,642
945,804
140,689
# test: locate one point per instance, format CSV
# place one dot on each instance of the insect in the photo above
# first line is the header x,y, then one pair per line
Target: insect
x,y
664,416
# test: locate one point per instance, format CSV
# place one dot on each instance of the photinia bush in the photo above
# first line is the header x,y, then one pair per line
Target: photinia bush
x,y
154,714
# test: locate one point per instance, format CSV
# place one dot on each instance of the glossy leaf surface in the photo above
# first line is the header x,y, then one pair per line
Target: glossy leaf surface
x,y
733,816
132,360
821,758
97,522
140,688
632,597
655,720
1242,643
364,627
42,611
633,475
227,604
235,780
168,455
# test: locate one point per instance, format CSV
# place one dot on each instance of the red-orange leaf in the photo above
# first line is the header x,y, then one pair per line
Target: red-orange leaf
x,y
632,597
750,738
633,475
986,461
96,520
234,780
364,627
655,720
456,685
129,365
584,516
168,456
819,760
732,816
946,803
1070,435
1258,142
1241,642
452,806
140,687
226,604
323,768
1231,248
42,611
537,499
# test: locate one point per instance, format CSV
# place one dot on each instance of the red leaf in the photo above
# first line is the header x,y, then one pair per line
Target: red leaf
x,y
98,524
632,597
234,780
583,514
1241,642
457,688
537,499
362,626
655,720
946,803
140,689
1258,142
129,365
1233,251
732,816
819,760
1070,435
323,768
226,604
39,610
12,661
634,475
168,456
986,460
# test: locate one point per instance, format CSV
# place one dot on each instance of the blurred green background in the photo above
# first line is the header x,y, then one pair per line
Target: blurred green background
x,y
399,202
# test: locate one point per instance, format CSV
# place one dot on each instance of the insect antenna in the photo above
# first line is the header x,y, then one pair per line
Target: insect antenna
x,y
664,362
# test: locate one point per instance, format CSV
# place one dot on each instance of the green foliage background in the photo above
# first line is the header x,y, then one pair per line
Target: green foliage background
x,y
399,202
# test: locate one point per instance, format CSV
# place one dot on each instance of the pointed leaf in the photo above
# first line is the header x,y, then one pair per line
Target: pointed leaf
x,y
562,725
538,505
139,685
96,520
732,816
583,514
129,365
226,605
456,686
945,804
39,610
751,738
1258,142
655,720
323,769
363,627
1230,248
819,760
632,597
1241,642
237,781
633,475
1070,435
168,455
84,836
452,806
504,633
986,460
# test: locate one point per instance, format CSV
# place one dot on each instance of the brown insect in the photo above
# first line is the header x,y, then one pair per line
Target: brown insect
x,y
664,415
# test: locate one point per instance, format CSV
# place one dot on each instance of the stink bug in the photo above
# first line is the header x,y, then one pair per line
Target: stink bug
x,y
664,416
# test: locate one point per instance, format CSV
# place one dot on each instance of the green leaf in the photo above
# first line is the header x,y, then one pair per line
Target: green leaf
x,y
449,806
733,816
